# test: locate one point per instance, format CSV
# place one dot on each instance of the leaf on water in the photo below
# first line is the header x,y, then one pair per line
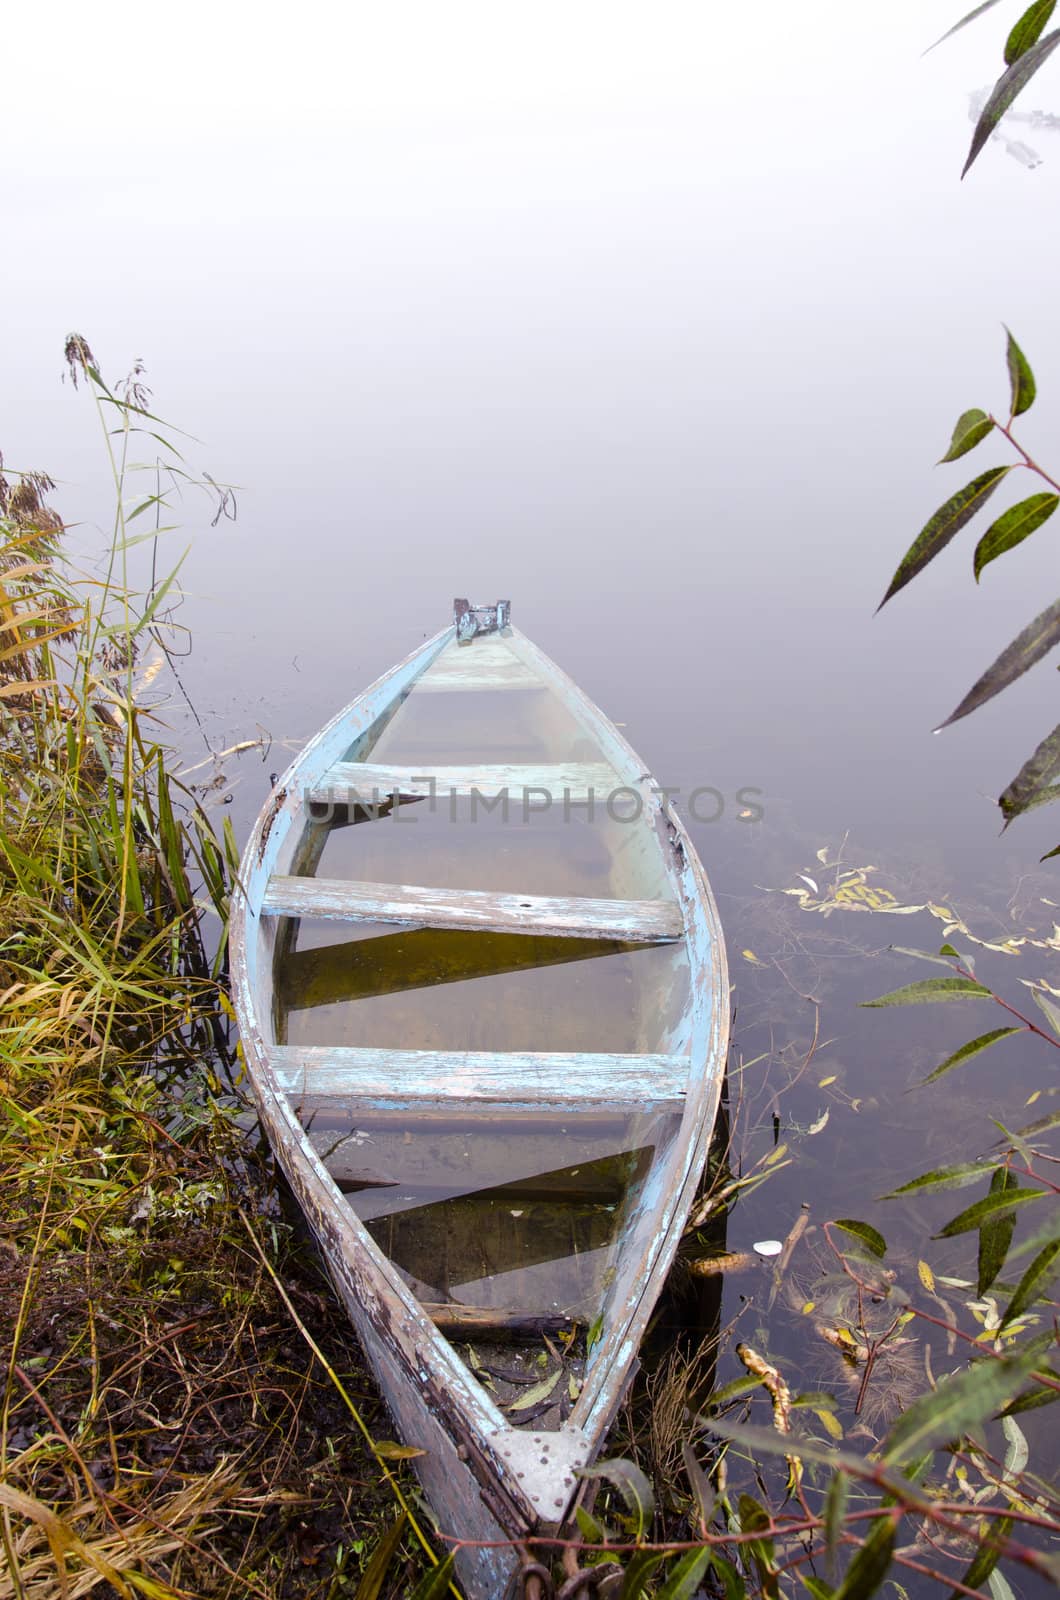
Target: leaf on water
x,y
374,1573
986,5
926,1276
1028,647
1012,527
869,1566
972,1048
991,1205
1037,1275
957,1177
1020,375
948,520
925,955
995,1235
972,427
959,1403
1004,92
1000,1588
915,994
869,1236
537,1392
1018,1453
1035,776
633,1486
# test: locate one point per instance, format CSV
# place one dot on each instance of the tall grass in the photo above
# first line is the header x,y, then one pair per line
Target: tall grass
x,y
158,1426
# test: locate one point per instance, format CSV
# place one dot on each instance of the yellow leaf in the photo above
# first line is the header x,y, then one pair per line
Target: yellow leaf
x,y
830,1423
822,1083
926,1276
1032,1098
749,955
808,1307
396,1452
775,1155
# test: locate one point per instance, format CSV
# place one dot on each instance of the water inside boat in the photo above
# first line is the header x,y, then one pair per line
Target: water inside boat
x,y
504,1223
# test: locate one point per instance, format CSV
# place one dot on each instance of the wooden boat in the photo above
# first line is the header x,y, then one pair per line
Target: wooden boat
x,y
492,1089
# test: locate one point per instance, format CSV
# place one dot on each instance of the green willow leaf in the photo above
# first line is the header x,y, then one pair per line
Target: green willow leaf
x,y
927,989
1036,774
959,1403
639,1570
1025,651
375,1572
1020,375
1025,33
1049,854
683,1580
937,532
991,1205
868,1235
1012,527
435,1585
986,1557
631,1484
1041,1269
995,1235
972,428
987,5
817,1586
1004,92
1048,1008
967,1051
869,1566
958,1177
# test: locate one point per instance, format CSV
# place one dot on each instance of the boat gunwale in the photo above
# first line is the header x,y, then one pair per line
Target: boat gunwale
x,y
276,827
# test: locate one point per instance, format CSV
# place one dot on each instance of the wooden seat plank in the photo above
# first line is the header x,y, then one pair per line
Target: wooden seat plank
x,y
342,900
575,781
331,1077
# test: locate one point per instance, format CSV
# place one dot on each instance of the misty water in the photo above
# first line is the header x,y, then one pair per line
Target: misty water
x,y
658,330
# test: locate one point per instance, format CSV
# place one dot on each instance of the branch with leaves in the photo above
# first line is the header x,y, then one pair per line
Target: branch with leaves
x,y
1036,782
1027,48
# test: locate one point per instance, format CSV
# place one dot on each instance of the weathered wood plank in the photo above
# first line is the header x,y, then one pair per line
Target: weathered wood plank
x,y
533,787
493,1322
477,677
414,905
458,1080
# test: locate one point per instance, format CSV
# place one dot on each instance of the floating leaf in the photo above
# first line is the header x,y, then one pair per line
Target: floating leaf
x,y
959,1403
868,1568
986,5
1012,527
995,1235
1004,92
958,1177
1021,377
1000,1587
925,955
1028,647
1018,1453
972,1048
991,1205
915,994
374,1573
869,1236
972,427
633,1486
926,1276
1025,790
1041,1269
948,520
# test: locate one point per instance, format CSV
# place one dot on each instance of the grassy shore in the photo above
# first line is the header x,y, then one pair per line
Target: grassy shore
x,y
165,1428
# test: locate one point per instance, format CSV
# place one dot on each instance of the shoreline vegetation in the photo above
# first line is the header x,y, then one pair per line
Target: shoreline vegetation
x,y
185,1410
